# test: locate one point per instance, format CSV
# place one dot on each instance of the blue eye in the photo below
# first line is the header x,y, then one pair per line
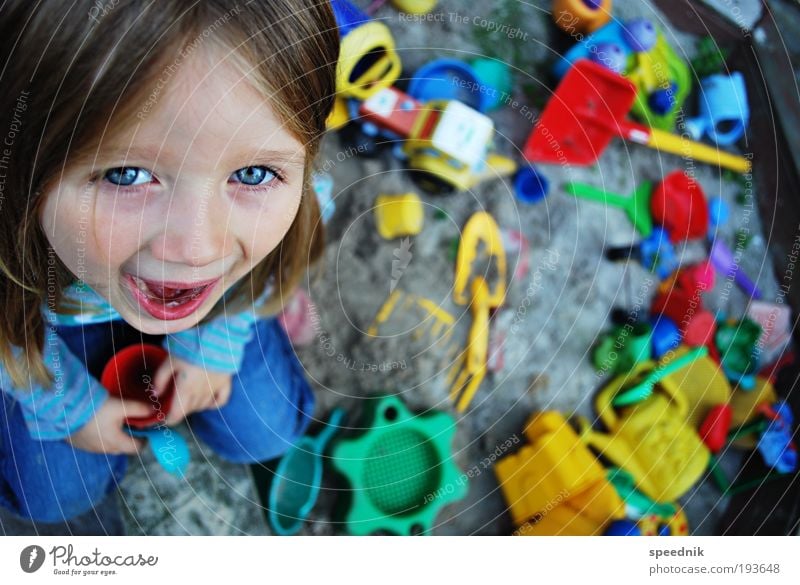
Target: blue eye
x,y
254,176
128,176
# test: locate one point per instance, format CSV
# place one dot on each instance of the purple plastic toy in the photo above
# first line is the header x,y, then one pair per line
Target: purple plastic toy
x,y
723,260
611,56
640,34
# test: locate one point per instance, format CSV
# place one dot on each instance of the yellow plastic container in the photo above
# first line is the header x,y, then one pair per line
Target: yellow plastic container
x,y
652,439
399,215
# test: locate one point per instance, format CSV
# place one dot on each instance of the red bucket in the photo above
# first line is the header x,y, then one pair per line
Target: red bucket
x,y
129,376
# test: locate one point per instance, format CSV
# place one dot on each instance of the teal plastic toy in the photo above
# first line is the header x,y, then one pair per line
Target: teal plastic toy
x,y
168,447
298,478
401,471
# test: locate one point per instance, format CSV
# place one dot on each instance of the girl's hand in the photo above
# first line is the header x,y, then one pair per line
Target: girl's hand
x,y
196,389
104,433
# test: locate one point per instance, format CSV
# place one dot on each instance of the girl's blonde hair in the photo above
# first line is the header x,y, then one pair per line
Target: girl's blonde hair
x,y
71,75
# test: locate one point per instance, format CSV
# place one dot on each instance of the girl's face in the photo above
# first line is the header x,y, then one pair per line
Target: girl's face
x,y
183,203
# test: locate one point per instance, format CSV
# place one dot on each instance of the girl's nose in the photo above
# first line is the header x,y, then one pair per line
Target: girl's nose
x,y
195,229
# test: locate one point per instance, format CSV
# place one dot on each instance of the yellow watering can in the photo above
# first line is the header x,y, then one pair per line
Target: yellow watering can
x,y
650,439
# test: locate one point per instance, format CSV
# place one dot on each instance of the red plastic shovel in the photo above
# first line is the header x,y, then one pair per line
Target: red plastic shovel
x,y
589,108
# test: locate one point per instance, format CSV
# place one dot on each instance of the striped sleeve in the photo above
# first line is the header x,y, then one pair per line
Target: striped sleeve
x,y
219,344
55,413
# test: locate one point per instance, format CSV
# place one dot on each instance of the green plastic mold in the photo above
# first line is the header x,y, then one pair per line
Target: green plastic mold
x,y
400,471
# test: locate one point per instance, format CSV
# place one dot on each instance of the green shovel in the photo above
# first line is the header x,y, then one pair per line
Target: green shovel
x,y
636,206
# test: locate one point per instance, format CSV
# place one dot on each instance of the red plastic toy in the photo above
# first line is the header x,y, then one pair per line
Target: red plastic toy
x,y
679,204
589,108
715,427
129,376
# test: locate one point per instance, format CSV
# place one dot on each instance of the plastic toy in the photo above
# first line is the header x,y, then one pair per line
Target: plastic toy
x,y
581,16
701,383
715,427
611,56
167,446
665,336
736,341
368,61
621,349
640,34
675,525
718,211
436,323
679,204
694,279
400,471
776,329
298,478
623,528
724,111
555,485
697,325
414,6
449,79
530,186
447,142
661,77
775,444
323,188
399,215
637,504
471,287
723,260
655,253
588,109
644,388
746,406
495,78
636,206
129,375
650,440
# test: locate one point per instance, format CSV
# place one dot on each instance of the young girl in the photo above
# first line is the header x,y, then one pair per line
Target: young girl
x,y
154,185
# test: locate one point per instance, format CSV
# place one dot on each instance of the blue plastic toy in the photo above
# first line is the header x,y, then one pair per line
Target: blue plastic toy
x,y
348,16
718,211
665,336
530,186
724,111
775,444
168,447
450,79
661,101
623,528
655,252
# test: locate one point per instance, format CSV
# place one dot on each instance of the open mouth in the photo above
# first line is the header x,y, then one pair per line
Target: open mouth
x,y
169,296
169,300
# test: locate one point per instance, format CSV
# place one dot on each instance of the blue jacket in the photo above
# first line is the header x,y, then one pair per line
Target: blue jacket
x,y
55,412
